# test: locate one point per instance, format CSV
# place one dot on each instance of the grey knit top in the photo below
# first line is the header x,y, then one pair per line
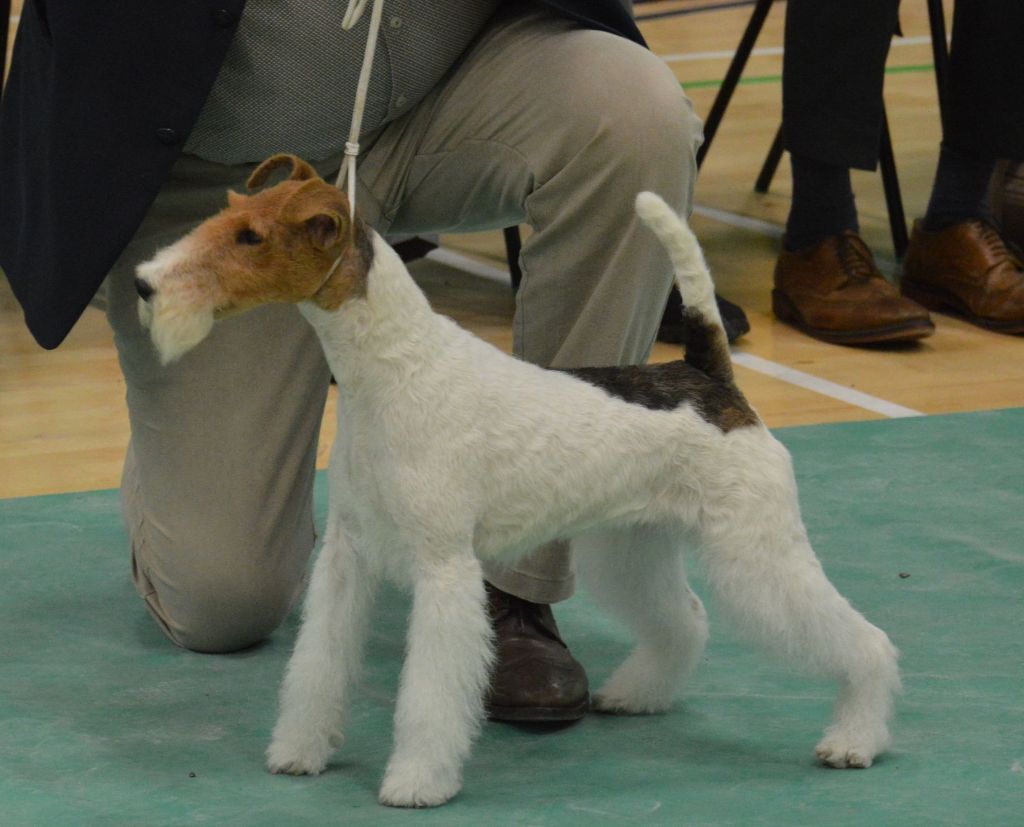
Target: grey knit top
x,y
288,81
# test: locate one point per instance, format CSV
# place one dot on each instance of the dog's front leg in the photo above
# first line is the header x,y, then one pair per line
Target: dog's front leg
x,y
440,701
326,659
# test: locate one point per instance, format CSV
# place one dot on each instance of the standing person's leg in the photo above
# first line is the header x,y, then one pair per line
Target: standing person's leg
x,y
978,125
985,83
217,487
832,76
826,281
558,127
957,259
985,75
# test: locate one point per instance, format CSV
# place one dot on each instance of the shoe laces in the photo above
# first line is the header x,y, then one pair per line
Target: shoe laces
x,y
522,614
856,260
997,246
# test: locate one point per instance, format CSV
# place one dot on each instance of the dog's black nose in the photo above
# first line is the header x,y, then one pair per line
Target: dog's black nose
x,y
144,289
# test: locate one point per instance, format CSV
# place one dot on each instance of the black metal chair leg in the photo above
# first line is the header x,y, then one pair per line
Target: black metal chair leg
x,y
771,163
940,54
513,246
891,185
732,76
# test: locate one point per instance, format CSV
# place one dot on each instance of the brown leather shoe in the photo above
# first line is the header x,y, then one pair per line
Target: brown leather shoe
x,y
1007,200
834,292
536,678
967,269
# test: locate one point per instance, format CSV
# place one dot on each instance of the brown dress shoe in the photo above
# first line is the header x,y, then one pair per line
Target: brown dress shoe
x,y
834,292
1007,200
536,678
967,269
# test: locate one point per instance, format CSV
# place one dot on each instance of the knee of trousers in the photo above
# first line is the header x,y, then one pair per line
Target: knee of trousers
x,y
221,617
215,603
631,123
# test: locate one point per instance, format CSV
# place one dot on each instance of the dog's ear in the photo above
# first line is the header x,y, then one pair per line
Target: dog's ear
x,y
301,171
326,229
236,198
321,210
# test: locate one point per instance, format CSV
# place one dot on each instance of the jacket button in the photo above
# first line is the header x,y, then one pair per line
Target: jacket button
x,y
223,17
167,136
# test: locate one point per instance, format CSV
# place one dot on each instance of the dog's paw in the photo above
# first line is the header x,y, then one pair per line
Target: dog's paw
x,y
844,753
633,691
285,757
853,745
417,785
615,703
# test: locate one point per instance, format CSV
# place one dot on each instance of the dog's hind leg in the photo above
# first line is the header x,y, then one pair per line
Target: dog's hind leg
x,y
638,575
326,660
761,564
447,665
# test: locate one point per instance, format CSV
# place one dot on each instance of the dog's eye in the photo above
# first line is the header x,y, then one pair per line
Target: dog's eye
x,y
248,236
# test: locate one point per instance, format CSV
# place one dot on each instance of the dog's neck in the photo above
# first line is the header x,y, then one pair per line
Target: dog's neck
x,y
392,326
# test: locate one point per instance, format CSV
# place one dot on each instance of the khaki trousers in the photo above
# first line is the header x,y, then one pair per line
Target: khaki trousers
x,y
543,123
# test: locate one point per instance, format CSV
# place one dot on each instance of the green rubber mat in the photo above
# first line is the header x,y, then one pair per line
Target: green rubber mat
x,y
919,522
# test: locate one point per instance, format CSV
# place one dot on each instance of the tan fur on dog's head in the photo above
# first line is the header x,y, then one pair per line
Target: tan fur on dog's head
x,y
284,240
291,242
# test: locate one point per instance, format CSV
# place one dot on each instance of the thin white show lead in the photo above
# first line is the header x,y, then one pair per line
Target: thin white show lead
x,y
353,14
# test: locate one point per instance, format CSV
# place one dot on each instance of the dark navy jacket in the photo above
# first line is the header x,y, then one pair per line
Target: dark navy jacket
x,y
99,101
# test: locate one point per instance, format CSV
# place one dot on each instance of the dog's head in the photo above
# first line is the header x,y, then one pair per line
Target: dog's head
x,y
292,242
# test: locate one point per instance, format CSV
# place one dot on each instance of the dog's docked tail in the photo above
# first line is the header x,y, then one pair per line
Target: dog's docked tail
x,y
707,347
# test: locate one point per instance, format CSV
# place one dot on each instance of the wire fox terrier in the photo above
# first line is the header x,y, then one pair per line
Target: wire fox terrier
x,y
450,451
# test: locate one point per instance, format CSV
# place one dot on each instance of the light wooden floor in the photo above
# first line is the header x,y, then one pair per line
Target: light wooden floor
x,y
63,424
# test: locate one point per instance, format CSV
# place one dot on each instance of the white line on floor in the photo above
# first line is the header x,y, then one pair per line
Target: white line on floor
x,y
725,54
824,386
742,221
469,265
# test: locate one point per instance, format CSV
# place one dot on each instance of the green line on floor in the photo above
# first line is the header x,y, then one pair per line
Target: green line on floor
x,y
760,79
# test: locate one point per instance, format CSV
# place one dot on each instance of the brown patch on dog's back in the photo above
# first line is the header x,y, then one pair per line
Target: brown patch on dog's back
x,y
669,385
707,347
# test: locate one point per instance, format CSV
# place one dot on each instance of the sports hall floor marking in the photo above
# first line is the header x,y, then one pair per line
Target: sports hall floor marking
x,y
469,265
744,222
824,387
752,80
772,51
